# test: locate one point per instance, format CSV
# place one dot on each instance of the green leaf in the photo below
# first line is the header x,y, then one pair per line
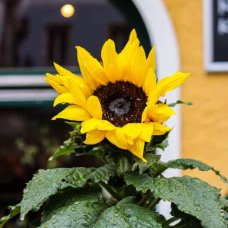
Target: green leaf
x,y
66,149
14,211
192,164
179,102
103,173
126,214
49,182
79,208
143,166
191,195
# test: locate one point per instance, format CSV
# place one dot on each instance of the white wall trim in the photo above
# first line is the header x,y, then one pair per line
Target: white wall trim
x,y
209,64
23,95
22,80
162,35
13,92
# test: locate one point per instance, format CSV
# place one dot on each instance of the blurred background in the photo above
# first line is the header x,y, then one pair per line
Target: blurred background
x,y
191,35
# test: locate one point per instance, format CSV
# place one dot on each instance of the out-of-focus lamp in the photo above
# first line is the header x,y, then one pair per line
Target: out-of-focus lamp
x,y
67,10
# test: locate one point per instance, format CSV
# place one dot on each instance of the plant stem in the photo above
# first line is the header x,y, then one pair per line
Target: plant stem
x,y
153,203
145,198
110,190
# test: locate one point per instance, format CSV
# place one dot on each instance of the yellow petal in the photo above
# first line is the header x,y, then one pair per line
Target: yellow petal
x,y
71,78
105,125
151,60
94,137
51,80
147,132
64,98
63,71
124,57
159,113
138,149
91,69
89,125
132,62
76,92
74,113
167,84
144,114
133,39
117,139
109,58
149,82
93,106
160,129
137,66
132,130
93,123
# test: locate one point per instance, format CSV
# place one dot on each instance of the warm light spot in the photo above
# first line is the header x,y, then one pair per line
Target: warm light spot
x,y
67,10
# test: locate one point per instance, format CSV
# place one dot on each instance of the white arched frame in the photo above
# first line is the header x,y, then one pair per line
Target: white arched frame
x,y
162,35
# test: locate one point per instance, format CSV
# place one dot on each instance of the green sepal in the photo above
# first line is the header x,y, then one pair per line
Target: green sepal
x,y
72,145
14,211
180,102
66,149
157,142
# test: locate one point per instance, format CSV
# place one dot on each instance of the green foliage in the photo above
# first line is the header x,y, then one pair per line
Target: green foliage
x,y
157,142
180,102
157,167
152,160
82,208
191,195
79,208
14,210
192,164
127,214
67,148
49,182
121,193
103,173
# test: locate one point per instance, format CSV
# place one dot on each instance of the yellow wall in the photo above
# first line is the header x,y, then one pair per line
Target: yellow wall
x,y
205,124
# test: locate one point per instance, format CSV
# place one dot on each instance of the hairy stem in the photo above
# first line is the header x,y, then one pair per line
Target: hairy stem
x,y
153,203
145,199
110,190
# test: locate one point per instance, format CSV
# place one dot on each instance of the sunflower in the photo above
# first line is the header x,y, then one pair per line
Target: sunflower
x,y
117,99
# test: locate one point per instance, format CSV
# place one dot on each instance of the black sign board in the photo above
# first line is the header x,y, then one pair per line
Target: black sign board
x,y
216,35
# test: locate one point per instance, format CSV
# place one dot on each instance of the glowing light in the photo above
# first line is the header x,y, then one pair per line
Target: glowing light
x,y
67,10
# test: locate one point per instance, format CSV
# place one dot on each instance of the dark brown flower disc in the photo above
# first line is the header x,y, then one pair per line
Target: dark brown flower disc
x,y
121,102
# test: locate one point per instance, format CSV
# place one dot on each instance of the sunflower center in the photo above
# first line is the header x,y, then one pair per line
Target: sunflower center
x,y
121,102
120,106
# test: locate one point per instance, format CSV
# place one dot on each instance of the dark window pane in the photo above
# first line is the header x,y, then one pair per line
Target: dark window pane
x,y
36,33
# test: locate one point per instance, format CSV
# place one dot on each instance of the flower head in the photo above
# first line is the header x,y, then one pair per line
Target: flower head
x,y
117,99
